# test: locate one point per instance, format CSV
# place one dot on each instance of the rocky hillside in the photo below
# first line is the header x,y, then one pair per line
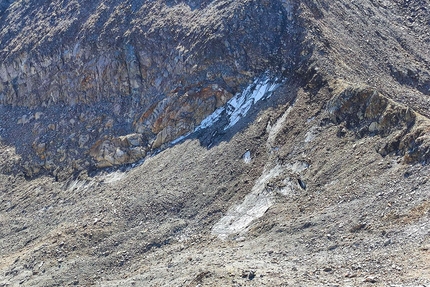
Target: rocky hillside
x,y
215,143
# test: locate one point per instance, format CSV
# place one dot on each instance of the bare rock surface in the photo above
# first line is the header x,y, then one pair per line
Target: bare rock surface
x,y
214,143
107,69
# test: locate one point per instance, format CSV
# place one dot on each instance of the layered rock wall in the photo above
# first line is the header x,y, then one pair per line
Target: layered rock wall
x,y
117,50
80,76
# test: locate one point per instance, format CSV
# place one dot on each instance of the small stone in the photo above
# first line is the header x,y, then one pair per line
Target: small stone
x,y
371,279
374,126
358,227
333,247
83,139
350,275
425,247
248,274
38,115
327,269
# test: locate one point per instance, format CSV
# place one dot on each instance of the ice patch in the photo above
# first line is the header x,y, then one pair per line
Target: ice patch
x,y
247,157
255,204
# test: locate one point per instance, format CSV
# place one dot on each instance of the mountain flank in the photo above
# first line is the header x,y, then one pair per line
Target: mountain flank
x,y
215,143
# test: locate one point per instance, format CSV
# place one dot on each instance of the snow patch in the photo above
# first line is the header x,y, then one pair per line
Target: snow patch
x,y
211,119
238,106
179,139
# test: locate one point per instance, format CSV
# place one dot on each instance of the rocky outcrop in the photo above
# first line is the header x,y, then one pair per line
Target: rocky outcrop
x,y
87,74
180,114
117,151
366,112
306,180
77,76
100,52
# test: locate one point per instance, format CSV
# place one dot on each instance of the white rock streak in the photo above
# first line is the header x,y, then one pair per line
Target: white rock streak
x,y
259,200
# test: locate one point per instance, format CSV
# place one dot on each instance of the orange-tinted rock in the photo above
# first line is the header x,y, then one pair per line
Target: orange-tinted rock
x,y
118,151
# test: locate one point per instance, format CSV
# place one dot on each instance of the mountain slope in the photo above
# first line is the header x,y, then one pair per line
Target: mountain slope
x,y
299,159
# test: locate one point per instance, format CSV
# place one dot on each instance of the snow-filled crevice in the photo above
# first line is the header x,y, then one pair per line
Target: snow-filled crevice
x,y
238,106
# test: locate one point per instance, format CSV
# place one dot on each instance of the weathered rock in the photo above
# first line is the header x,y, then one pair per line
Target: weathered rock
x,y
118,151
365,110
40,149
121,69
368,113
179,114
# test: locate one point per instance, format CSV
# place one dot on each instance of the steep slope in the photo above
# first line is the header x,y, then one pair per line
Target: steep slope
x,y
308,167
381,43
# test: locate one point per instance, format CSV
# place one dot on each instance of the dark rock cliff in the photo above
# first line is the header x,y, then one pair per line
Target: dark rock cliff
x,y
76,76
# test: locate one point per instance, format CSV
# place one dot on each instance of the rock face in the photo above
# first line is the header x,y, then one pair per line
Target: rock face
x,y
78,75
117,151
86,71
366,112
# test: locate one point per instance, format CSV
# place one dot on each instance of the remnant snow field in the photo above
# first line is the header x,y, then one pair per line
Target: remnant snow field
x,y
238,106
